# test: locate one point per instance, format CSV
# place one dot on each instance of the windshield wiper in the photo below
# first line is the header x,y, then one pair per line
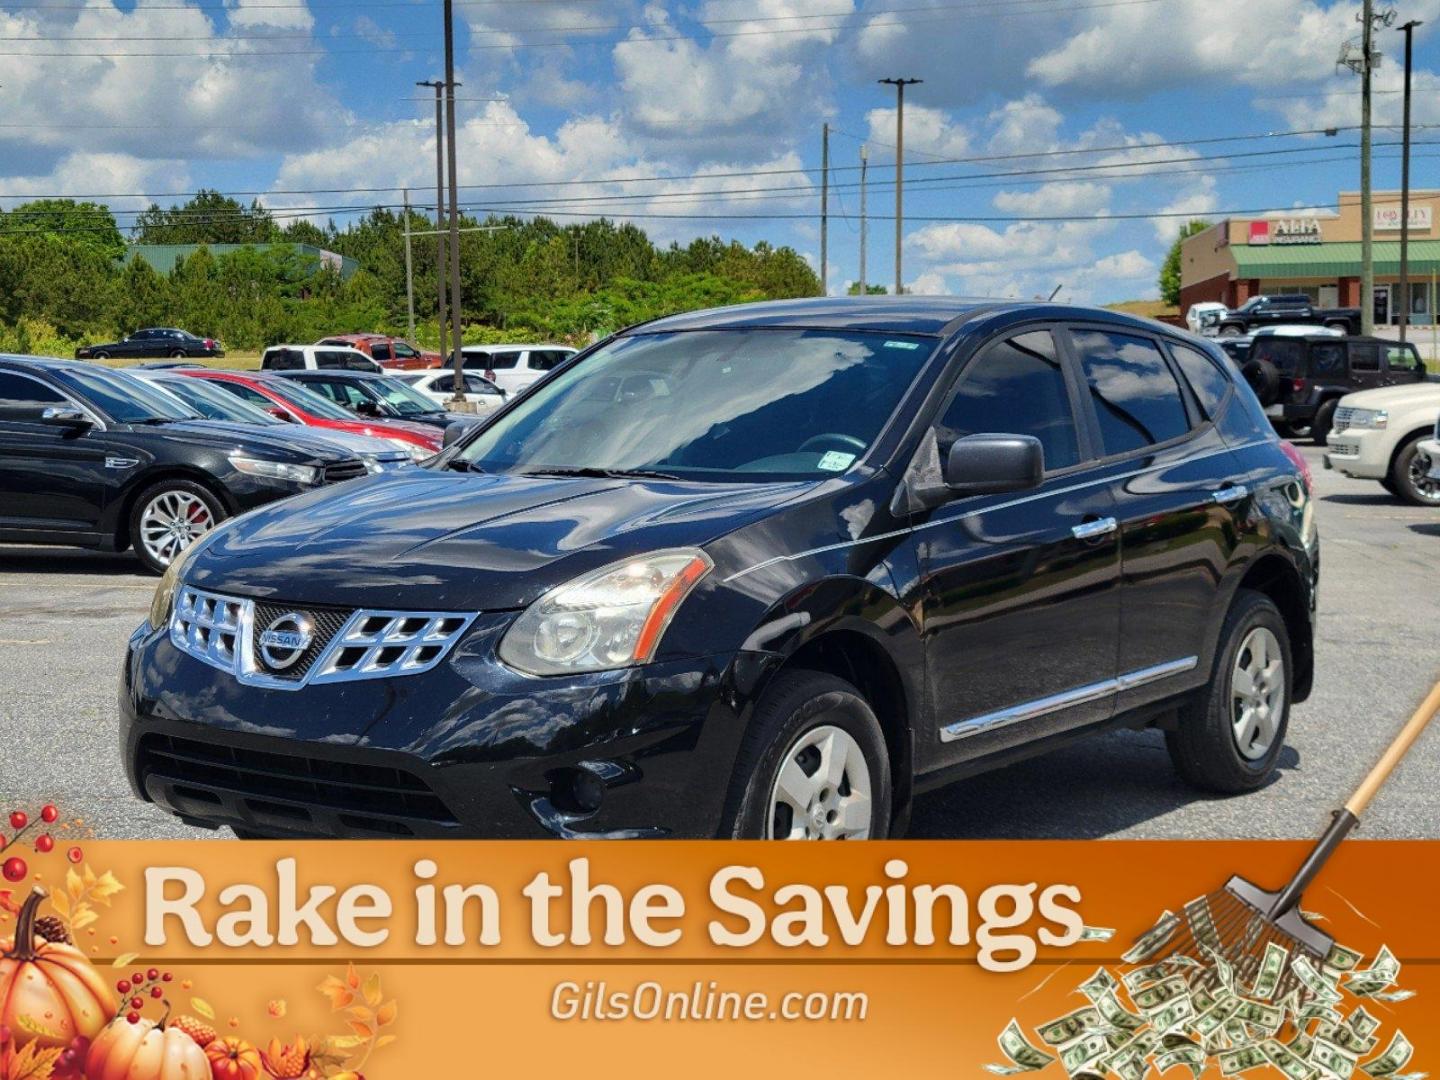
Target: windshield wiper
x,y
461,465
604,474
156,421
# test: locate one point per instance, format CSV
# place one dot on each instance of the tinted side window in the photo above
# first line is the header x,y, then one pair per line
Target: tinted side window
x,y
1364,357
1210,384
331,361
1136,397
282,360
23,399
1016,387
357,362
442,384
1285,355
1401,358
380,350
503,361
545,359
244,393
1327,358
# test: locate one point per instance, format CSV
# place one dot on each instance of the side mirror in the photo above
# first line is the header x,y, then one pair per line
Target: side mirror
x,y
367,408
66,416
978,464
280,414
454,433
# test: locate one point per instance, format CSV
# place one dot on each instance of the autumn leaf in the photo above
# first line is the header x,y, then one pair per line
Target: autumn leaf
x,y
386,1013
124,959
88,876
33,1063
372,990
383,1041
361,1013
35,1027
203,1007
352,977
365,1031
339,994
84,915
344,1042
60,902
73,884
105,887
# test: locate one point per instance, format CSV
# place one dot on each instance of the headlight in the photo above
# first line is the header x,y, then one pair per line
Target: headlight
x,y
304,475
1369,418
610,618
417,453
164,598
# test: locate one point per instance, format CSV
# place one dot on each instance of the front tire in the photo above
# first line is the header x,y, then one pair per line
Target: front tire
x,y
1229,736
170,516
1410,479
1323,422
1230,330
813,766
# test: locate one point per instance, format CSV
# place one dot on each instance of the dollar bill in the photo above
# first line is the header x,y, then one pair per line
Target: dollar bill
x,y
1346,1038
1173,1015
1151,998
1333,1059
1377,977
1272,966
1342,959
1192,1057
1361,1022
1318,986
1287,1061
1149,973
1202,923
1102,982
1097,933
1240,1059
1213,1019
1396,1056
1115,1014
1317,1010
1267,1017
1302,1044
1223,971
1391,996
1084,1052
1153,940
1070,1027
1023,1056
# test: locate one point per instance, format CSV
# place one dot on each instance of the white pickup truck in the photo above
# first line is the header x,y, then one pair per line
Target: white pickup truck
x,y
1388,434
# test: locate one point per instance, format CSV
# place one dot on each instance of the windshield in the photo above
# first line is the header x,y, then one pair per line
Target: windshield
x,y
1249,305
716,404
307,400
215,404
404,399
123,397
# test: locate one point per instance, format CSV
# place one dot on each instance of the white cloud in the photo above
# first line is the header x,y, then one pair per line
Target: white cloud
x,y
1059,198
929,284
368,30
1126,265
929,133
87,174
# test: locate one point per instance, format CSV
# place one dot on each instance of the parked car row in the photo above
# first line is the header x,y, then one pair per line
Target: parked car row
x,y
1258,312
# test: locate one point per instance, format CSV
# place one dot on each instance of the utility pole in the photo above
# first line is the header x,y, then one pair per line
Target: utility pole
x,y
864,162
824,209
456,331
440,310
900,85
1367,212
409,273
1409,31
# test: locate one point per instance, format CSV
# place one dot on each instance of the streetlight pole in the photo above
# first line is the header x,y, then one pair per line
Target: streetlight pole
x,y
440,310
900,85
456,329
864,164
1409,30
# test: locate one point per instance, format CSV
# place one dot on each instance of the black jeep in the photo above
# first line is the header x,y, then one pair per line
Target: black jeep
x,y
1300,380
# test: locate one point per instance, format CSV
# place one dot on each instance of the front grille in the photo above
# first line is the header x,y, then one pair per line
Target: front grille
x,y
1343,418
345,470
327,622
1344,450
291,790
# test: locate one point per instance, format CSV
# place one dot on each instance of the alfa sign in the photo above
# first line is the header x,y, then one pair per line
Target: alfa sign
x,y
1387,218
1299,230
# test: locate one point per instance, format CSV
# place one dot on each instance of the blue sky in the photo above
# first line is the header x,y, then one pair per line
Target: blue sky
x,y
1032,156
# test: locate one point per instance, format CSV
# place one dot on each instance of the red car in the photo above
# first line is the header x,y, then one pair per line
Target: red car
x,y
389,352
290,401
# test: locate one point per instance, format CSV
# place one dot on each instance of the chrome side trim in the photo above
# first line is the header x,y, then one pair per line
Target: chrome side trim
x,y
1081,695
1006,505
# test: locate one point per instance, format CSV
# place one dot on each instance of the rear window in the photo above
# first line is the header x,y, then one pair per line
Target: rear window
x,y
282,360
503,361
1287,356
1210,384
1327,358
545,359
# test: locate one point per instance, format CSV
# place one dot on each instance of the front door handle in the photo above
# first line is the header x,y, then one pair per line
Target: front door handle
x,y
1089,530
1230,494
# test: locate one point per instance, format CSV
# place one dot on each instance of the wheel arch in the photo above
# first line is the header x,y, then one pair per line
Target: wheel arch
x,y
125,505
1404,441
1275,576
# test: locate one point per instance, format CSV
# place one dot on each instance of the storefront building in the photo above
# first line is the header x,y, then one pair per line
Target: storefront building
x,y
1318,254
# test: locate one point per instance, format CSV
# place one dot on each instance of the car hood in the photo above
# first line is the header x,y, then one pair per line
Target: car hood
x,y
222,434
1390,397
430,539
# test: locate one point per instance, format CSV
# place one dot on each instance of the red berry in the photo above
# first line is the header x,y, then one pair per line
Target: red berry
x,y
156,992
166,977
137,1003
15,869
48,813
19,819
75,854
44,843
152,974
123,986
133,1017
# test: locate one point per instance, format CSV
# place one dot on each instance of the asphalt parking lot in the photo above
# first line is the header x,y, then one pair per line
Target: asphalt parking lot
x,y
65,616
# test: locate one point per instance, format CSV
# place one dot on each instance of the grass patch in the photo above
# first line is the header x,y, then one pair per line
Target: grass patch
x,y
231,361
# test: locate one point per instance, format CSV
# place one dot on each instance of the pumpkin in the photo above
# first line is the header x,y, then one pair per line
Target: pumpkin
x,y
49,993
145,1051
233,1059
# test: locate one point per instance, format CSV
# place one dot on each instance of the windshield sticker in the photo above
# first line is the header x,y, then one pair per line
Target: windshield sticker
x,y
902,345
835,461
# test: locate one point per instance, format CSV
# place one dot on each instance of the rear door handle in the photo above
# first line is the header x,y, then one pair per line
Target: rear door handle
x,y
1232,493
1089,530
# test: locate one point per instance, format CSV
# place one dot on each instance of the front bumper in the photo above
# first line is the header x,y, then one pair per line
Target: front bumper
x,y
1362,453
468,749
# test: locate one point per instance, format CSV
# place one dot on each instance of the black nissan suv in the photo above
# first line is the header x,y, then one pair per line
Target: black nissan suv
x,y
91,457
762,571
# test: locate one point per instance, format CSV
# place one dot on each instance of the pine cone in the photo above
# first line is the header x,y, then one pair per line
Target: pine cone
x,y
52,929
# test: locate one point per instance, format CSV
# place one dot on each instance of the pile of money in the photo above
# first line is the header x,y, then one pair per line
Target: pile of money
x,y
1198,1012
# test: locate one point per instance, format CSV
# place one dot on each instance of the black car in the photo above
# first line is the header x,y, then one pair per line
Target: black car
x,y
1300,380
380,397
764,571
1287,308
156,342
94,458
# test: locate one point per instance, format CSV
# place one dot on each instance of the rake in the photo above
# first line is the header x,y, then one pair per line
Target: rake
x,y
1239,921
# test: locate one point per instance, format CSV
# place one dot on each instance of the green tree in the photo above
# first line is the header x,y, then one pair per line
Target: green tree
x,y
1170,268
208,218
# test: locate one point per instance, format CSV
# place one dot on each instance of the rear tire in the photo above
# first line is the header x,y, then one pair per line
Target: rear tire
x,y
1343,327
1323,422
100,354
178,354
813,765
1230,331
1408,476
1230,734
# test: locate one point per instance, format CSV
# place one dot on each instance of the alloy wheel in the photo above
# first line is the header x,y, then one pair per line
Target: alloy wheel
x,y
1257,690
1425,488
823,789
171,522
